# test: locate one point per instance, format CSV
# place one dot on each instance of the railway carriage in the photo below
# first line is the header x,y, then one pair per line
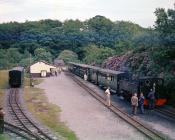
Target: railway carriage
x,y
16,77
121,82
99,76
110,78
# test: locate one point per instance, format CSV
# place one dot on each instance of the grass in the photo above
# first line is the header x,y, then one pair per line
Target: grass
x,y
46,112
3,84
4,137
3,79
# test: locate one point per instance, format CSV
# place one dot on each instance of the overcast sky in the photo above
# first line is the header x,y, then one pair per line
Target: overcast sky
x,y
137,11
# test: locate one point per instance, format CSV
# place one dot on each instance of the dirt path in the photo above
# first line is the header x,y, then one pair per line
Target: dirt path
x,y
89,119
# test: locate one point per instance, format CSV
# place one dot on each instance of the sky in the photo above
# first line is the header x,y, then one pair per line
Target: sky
x,y
137,11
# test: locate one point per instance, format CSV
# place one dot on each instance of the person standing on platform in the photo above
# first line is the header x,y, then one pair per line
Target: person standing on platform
x,y
85,77
151,98
141,103
2,113
108,96
134,103
59,70
56,73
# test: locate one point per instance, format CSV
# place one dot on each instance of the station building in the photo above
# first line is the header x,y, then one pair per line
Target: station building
x,y
42,69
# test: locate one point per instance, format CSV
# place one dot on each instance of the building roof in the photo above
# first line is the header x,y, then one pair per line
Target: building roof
x,y
43,62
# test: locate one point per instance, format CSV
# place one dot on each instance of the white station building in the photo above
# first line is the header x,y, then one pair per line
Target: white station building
x,y
42,69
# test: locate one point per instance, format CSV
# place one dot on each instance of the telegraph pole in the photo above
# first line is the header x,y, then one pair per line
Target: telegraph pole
x,y
30,75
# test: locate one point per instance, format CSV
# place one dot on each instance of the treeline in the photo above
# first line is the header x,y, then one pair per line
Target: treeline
x,y
52,36
92,40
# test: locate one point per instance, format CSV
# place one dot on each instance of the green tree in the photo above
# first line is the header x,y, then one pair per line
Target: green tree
x,y
26,62
165,24
123,46
96,55
100,24
13,55
71,26
68,56
42,54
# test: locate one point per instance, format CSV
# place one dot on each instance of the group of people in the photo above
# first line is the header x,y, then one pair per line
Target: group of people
x,y
135,101
139,102
56,72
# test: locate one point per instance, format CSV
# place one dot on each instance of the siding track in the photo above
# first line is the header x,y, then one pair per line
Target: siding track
x,y
22,121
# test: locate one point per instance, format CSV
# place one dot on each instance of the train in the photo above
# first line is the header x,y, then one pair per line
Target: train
x,y
121,83
16,75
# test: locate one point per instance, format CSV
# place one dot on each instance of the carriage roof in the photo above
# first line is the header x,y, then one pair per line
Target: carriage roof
x,y
17,69
101,70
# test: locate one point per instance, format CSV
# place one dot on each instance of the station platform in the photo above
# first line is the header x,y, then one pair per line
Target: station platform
x,y
83,114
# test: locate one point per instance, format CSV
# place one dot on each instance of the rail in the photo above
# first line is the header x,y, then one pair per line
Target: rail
x,y
166,112
21,119
150,133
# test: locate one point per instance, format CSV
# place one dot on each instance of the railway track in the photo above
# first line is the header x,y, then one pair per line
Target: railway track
x,y
166,112
20,132
150,133
21,120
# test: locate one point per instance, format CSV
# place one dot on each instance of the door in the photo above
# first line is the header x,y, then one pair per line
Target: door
x,y
43,73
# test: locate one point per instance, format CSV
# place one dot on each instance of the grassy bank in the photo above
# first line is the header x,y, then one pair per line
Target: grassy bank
x,y
4,137
3,84
46,112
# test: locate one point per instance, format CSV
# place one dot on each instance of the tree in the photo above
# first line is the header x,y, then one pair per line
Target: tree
x,y
68,56
29,46
96,55
13,55
42,54
165,24
26,62
71,26
100,24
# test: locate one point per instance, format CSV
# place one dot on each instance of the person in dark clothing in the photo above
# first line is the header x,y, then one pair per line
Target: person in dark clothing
x,y
151,98
55,73
2,113
141,102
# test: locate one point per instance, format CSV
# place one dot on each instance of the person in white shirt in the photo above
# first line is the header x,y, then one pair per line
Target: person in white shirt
x,y
85,77
108,96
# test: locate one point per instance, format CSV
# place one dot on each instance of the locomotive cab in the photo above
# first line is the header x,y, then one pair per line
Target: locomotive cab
x,y
157,85
144,85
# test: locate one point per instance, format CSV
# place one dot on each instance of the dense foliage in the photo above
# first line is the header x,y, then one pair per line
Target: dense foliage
x,y
45,39
96,55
